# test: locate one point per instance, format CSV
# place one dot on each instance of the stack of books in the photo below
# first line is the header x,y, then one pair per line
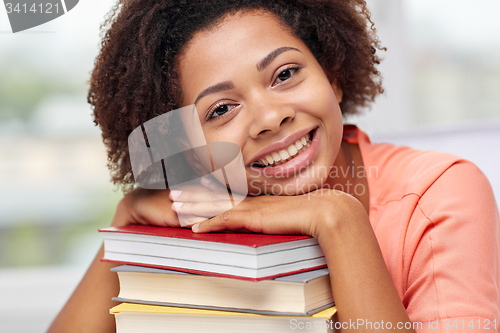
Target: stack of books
x,y
177,281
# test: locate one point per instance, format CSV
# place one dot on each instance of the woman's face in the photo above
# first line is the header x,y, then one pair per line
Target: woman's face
x,y
256,85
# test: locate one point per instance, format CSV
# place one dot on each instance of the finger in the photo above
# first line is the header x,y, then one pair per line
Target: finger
x,y
215,186
270,221
150,207
189,220
234,220
225,221
206,208
204,195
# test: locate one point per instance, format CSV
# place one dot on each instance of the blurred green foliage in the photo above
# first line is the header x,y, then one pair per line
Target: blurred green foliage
x,y
23,87
34,243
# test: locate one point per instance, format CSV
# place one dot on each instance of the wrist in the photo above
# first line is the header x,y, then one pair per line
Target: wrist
x,y
339,213
120,218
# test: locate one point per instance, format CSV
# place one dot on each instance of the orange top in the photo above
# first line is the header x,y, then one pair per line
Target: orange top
x,y
437,224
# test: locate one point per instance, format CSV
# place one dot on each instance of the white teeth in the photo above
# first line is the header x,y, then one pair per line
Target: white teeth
x,y
292,150
269,159
284,154
287,154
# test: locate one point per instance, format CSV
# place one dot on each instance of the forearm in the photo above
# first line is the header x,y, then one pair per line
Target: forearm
x,y
87,310
361,284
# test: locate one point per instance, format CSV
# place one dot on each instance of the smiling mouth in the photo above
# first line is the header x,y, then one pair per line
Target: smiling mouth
x,y
282,156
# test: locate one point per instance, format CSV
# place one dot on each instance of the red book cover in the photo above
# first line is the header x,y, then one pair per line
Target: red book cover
x,y
194,271
245,239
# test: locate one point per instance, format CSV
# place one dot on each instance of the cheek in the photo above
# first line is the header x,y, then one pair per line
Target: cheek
x,y
319,99
329,110
225,135
322,104
234,131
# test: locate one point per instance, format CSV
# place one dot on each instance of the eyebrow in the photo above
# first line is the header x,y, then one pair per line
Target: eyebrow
x,y
271,56
227,85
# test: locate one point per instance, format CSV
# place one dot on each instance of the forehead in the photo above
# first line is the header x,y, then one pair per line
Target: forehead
x,y
240,39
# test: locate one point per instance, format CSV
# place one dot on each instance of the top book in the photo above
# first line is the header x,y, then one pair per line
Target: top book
x,y
235,255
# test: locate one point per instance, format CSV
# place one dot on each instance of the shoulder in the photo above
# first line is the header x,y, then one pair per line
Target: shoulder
x,y
437,181
452,247
441,211
396,171
461,188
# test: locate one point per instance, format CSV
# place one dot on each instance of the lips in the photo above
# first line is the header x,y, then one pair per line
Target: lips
x,y
292,164
279,157
282,146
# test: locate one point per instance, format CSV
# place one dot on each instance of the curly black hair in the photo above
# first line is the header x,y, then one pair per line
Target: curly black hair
x,y
135,75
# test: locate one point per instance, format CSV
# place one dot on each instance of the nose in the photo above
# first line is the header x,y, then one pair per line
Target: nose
x,y
269,115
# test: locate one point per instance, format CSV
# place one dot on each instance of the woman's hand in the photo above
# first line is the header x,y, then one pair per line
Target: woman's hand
x,y
302,214
142,206
153,207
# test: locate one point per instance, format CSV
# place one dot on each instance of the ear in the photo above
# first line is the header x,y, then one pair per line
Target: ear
x,y
338,91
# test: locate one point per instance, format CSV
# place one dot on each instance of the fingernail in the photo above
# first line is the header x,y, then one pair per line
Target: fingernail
x,y
195,227
178,205
175,194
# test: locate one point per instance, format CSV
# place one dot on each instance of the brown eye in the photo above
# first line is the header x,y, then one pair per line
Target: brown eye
x,y
285,75
220,110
